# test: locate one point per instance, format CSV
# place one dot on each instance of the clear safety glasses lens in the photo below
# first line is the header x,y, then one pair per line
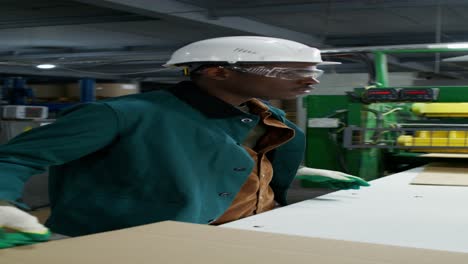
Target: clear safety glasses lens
x,y
282,73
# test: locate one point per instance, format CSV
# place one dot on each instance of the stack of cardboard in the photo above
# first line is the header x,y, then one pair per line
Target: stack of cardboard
x,y
172,242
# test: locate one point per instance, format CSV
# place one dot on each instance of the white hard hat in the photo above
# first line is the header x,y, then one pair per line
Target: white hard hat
x,y
245,49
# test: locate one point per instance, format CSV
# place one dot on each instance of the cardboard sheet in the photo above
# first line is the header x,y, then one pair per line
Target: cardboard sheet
x,y
447,174
173,243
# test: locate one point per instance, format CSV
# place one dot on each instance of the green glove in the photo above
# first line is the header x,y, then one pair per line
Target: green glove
x,y
28,229
21,238
317,178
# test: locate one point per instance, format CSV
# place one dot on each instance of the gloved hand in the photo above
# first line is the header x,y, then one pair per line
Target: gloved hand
x,y
29,230
329,179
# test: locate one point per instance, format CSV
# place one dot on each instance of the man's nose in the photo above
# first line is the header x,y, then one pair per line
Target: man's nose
x,y
309,81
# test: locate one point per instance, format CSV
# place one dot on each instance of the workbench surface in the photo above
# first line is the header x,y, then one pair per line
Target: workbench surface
x,y
390,211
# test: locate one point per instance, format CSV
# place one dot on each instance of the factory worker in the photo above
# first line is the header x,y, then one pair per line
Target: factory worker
x,y
210,150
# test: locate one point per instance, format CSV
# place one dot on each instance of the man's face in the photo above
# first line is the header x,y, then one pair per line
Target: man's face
x,y
286,81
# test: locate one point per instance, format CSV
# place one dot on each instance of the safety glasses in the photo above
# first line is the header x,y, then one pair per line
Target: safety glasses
x,y
280,72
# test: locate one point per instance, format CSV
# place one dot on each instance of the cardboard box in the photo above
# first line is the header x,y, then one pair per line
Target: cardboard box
x,y
173,242
48,91
445,174
104,90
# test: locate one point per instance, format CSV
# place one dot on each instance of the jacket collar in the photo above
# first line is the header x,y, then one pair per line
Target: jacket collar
x,y
209,105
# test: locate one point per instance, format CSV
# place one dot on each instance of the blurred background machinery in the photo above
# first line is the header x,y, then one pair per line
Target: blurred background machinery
x,y
381,129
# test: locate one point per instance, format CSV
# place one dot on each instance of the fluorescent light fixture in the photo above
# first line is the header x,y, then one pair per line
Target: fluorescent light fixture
x,y
45,66
456,59
457,46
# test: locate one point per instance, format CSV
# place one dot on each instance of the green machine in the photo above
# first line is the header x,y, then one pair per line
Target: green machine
x,y
380,129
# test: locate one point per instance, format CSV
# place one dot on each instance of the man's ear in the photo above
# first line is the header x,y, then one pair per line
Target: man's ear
x,y
216,73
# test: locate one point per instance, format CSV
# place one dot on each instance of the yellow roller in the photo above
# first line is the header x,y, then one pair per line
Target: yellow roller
x,y
440,109
436,139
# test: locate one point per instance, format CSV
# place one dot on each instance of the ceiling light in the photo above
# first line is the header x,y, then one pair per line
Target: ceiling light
x,y
46,66
456,59
458,46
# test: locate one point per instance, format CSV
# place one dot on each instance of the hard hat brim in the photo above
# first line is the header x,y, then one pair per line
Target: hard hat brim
x,y
171,65
329,63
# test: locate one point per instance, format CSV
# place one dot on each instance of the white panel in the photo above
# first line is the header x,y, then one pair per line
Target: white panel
x,y
390,211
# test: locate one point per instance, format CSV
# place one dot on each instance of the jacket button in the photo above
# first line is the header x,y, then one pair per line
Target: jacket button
x,y
239,169
246,120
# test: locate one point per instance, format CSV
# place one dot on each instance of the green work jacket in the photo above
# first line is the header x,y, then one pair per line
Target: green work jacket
x,y
171,154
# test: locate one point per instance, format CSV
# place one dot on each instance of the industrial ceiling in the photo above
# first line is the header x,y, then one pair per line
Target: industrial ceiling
x,y
130,39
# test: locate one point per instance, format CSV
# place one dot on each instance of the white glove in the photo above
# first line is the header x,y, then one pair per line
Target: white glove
x,y
13,218
325,173
29,230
